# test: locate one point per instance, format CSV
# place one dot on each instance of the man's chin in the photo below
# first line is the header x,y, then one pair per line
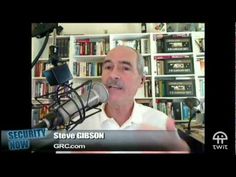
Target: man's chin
x,y
115,100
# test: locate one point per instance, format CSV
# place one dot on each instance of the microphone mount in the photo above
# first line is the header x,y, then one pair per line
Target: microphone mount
x,y
192,103
58,74
40,30
61,96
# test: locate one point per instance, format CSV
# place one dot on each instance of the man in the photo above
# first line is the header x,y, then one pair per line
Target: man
x,y
123,75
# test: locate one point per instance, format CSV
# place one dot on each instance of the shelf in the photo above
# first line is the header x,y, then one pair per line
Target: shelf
x,y
181,121
46,59
89,56
43,59
175,33
59,36
198,34
170,54
146,54
200,55
142,98
171,98
179,75
148,76
87,77
39,78
91,36
129,36
45,100
201,76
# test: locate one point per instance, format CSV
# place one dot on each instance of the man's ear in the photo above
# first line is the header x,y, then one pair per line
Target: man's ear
x,y
143,78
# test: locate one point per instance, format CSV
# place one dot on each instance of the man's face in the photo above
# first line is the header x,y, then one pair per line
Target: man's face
x,y
120,75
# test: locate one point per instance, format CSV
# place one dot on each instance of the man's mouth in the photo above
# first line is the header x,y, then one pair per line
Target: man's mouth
x,y
114,86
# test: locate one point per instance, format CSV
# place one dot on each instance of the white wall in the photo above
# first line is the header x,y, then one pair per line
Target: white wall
x,y
114,28
37,44
86,28
99,28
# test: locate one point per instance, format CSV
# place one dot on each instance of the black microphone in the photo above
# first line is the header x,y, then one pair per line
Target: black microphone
x,y
191,103
76,104
47,121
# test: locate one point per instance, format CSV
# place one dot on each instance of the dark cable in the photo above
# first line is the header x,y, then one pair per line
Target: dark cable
x,y
41,50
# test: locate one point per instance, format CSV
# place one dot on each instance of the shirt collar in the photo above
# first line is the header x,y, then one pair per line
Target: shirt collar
x,y
135,117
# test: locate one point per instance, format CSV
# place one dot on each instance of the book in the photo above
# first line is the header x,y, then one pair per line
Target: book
x,y
144,102
177,113
168,57
35,117
173,44
180,88
179,66
185,112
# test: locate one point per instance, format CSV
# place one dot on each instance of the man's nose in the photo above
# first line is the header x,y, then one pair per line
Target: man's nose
x,y
115,73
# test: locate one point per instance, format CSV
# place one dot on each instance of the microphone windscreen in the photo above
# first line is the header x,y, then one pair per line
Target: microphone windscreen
x,y
79,103
101,91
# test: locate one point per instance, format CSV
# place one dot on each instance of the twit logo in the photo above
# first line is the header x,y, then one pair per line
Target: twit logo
x,y
220,137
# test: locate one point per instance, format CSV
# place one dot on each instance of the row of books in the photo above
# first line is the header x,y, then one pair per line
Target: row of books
x,y
91,47
40,67
147,65
146,102
81,90
202,87
174,87
147,88
41,87
142,45
200,43
176,110
173,43
201,66
63,47
87,68
176,64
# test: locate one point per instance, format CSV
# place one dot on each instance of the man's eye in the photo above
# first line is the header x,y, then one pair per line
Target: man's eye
x,y
126,68
107,67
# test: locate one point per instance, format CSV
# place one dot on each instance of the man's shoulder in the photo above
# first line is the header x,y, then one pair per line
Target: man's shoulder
x,y
153,117
150,111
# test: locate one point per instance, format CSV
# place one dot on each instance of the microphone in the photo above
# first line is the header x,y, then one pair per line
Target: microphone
x,y
76,106
191,103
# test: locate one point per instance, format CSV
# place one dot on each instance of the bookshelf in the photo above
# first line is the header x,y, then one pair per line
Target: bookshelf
x,y
39,83
177,69
85,54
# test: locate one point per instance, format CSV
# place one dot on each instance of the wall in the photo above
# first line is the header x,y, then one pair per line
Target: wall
x,y
88,28
99,28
